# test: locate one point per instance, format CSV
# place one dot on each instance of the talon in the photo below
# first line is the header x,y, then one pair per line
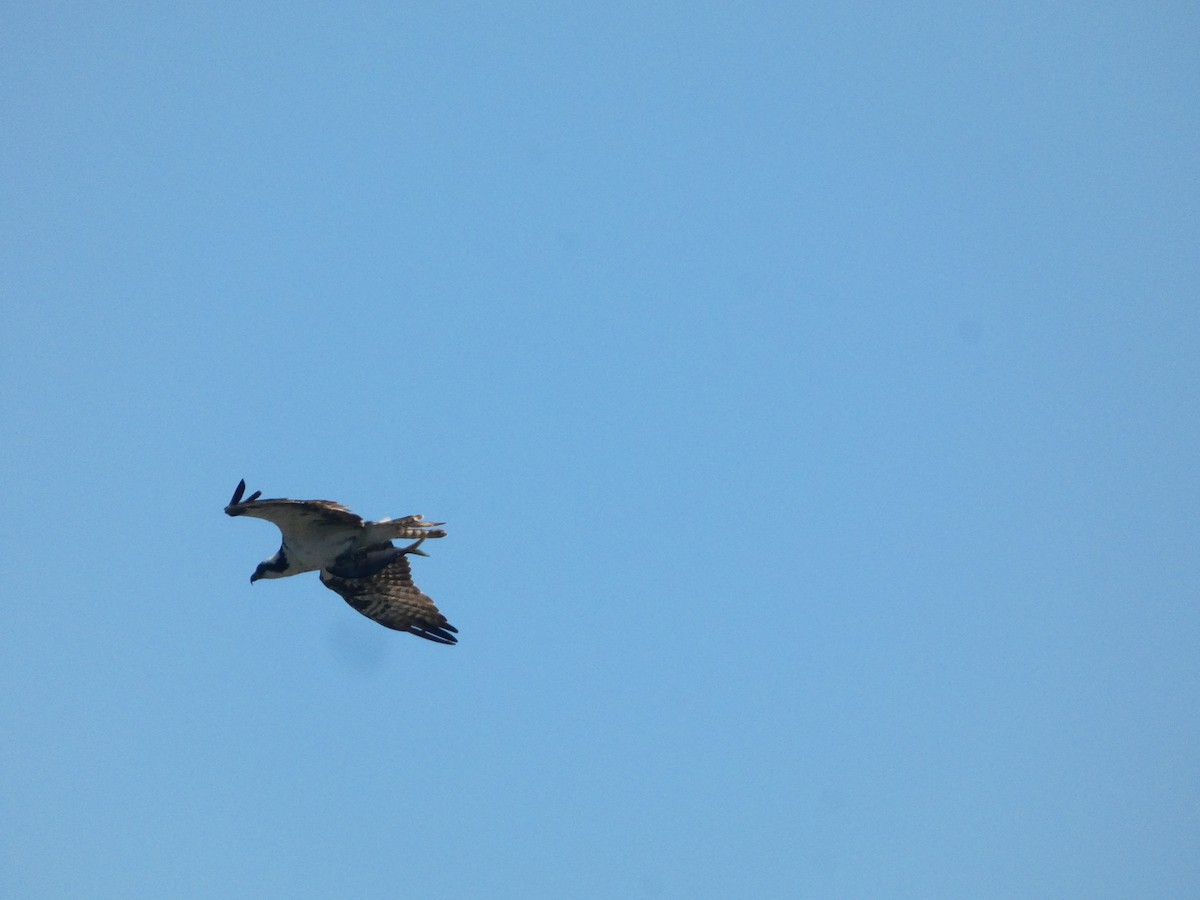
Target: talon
x,y
414,548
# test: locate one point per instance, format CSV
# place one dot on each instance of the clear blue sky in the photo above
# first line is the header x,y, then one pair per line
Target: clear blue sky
x,y
812,396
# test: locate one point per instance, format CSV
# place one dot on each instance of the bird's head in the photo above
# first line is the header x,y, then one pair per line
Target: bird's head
x,y
275,567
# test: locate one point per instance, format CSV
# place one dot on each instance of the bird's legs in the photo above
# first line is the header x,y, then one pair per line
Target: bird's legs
x,y
414,548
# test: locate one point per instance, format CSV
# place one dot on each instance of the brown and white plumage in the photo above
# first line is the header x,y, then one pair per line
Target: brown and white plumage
x,y
318,532
356,558
389,596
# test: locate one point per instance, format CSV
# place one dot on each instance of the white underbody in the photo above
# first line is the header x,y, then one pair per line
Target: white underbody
x,y
309,551
318,534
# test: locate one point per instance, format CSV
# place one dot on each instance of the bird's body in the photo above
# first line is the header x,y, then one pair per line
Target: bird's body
x,y
356,558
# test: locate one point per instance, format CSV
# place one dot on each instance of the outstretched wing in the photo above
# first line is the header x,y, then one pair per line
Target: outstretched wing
x,y
292,515
381,588
312,517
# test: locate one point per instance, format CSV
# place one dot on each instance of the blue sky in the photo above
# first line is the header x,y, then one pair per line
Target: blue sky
x,y
811,395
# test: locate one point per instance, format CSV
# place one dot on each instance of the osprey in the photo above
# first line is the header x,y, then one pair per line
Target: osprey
x,y
356,558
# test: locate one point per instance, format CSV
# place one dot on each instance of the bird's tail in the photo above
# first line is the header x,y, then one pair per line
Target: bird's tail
x,y
409,528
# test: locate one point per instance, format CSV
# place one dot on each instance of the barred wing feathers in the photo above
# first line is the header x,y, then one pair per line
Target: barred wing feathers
x,y
388,596
300,518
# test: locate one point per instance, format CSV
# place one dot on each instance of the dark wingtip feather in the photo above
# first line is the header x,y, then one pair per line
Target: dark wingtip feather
x,y
237,499
439,634
237,493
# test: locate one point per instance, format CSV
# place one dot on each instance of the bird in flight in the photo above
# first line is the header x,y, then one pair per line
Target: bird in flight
x,y
356,558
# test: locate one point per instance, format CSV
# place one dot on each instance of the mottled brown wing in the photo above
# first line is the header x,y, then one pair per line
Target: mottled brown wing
x,y
297,514
389,596
296,518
